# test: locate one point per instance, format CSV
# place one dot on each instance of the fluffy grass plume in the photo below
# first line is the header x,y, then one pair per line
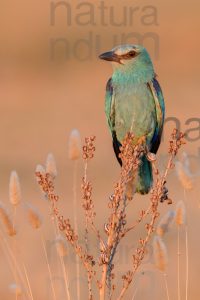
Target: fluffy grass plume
x,y
165,223
61,246
183,176
14,189
34,217
51,166
180,213
160,254
6,220
40,168
74,149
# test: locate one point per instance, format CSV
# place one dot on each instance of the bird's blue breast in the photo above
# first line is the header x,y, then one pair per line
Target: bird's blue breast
x,y
134,110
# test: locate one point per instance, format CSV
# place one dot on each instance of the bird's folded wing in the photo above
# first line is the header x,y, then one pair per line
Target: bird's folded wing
x,y
110,114
160,113
109,105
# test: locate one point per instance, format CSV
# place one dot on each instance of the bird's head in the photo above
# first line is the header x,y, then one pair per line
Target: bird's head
x,y
129,59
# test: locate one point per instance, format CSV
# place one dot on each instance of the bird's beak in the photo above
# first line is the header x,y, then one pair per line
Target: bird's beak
x,y
110,56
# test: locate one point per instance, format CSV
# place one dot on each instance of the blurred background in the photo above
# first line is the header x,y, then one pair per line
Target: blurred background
x,y
51,81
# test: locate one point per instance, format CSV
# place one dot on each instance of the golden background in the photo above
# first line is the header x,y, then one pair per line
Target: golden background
x,y
41,101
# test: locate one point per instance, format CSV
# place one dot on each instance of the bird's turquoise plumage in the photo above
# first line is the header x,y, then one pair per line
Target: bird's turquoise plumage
x,y
134,103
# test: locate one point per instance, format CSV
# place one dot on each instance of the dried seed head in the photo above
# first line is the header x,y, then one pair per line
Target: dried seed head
x,y
51,166
15,289
165,223
160,254
61,246
40,172
74,145
5,218
34,216
40,169
89,148
183,176
180,213
14,189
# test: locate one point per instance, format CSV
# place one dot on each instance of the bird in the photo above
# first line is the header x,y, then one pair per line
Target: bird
x,y
134,103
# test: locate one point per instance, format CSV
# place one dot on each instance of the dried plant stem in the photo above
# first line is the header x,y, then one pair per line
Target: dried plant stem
x,y
75,206
178,263
142,217
139,258
117,241
88,206
64,224
65,274
62,263
130,156
116,227
102,289
187,263
166,285
48,265
14,248
15,263
86,215
28,282
135,293
187,254
10,256
89,279
157,196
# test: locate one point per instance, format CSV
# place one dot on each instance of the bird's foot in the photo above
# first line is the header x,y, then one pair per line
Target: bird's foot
x,y
165,195
151,156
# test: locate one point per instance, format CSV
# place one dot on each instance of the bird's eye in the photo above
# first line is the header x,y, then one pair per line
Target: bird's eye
x,y
131,54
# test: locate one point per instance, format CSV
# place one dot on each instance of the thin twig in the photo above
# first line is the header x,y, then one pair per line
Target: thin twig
x,y
144,214
178,263
75,206
187,263
187,255
114,249
48,266
166,285
47,186
11,258
157,196
65,275
28,282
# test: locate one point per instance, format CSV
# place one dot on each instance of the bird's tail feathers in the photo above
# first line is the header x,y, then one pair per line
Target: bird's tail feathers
x,y
145,177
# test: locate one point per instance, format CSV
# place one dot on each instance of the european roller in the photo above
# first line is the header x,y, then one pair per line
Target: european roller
x,y
134,103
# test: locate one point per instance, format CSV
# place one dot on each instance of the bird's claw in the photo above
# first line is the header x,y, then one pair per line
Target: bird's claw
x,y
151,156
165,195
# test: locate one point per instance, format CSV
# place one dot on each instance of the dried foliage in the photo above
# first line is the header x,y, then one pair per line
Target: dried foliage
x,y
14,189
6,220
160,254
74,145
180,213
183,176
165,223
34,217
51,166
117,225
61,246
